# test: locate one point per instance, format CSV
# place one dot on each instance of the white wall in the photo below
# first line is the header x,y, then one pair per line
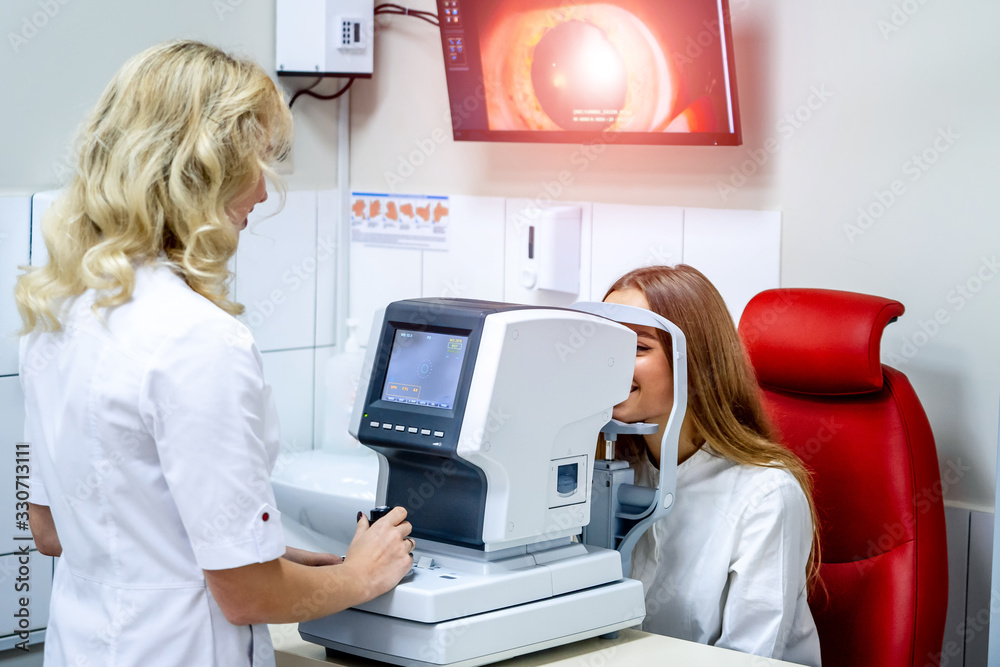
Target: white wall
x,y
896,95
876,100
889,97
56,76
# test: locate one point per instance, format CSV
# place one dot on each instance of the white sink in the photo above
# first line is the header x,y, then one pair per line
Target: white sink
x,y
320,493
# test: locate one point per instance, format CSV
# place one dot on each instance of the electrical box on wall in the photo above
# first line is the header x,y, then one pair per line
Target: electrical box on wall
x,y
325,37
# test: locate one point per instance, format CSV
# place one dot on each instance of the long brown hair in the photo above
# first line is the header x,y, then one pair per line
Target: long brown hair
x,y
724,401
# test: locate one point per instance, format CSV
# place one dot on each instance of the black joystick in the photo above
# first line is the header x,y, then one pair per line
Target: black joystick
x,y
378,513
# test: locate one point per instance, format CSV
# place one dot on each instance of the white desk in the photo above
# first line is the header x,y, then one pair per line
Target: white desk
x,y
631,649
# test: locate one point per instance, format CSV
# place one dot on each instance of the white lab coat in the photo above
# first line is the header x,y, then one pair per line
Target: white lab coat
x,y
153,435
727,566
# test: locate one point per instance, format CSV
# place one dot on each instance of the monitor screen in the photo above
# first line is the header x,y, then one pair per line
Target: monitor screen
x,y
424,368
624,71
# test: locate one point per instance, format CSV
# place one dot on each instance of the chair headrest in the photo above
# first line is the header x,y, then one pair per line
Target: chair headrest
x,y
816,341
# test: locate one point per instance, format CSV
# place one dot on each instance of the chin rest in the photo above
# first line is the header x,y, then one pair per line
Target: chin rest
x,y
859,426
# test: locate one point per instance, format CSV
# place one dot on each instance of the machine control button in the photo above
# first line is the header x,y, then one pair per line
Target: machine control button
x,y
373,424
438,434
425,562
387,426
425,431
412,429
400,427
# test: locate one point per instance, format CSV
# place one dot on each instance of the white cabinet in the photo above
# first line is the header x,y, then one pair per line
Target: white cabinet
x,y
627,237
739,251
472,266
276,276
380,276
327,215
40,203
290,374
15,230
11,432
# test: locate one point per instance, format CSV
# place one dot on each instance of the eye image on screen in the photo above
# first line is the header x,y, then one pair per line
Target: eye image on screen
x,y
549,66
424,369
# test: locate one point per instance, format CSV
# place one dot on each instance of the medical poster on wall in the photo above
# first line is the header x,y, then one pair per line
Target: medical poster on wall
x,y
403,221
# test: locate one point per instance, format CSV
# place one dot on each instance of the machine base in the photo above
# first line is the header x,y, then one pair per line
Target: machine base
x,y
483,638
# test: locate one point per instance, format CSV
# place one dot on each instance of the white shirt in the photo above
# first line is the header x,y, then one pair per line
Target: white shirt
x,y
727,567
153,436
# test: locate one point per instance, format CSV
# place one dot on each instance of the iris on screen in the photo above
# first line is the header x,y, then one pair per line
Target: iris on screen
x,y
636,67
578,76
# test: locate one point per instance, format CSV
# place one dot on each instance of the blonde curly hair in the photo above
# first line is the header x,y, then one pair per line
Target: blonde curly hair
x,y
181,130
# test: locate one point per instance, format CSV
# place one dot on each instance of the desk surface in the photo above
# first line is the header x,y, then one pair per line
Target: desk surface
x,y
632,648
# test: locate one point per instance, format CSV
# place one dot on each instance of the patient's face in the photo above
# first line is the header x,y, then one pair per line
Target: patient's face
x,y
652,395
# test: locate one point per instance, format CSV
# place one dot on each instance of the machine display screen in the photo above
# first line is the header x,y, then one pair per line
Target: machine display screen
x,y
424,368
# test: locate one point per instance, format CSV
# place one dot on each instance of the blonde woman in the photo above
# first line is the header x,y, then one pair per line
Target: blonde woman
x,y
733,563
153,430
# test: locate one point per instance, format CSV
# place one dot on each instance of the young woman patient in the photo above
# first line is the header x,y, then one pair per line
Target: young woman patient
x,y
732,564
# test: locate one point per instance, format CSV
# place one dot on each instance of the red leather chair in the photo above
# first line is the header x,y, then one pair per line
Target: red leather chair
x,y
861,429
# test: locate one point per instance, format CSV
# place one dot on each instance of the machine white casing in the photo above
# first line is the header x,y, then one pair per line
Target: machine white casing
x,y
544,383
618,526
520,353
536,402
483,638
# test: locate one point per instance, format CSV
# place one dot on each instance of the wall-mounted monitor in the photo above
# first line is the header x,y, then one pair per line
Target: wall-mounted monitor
x,y
574,71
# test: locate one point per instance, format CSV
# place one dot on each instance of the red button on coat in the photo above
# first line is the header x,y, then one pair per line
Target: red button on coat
x,y
265,516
